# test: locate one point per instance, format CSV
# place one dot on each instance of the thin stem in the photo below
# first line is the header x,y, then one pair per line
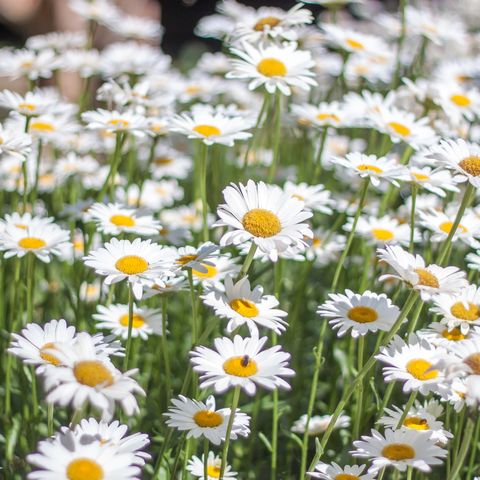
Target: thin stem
x,y
408,406
193,300
50,419
248,261
471,462
276,138
128,347
30,285
206,449
25,171
203,190
359,391
110,180
466,440
166,356
274,443
233,411
412,216
318,161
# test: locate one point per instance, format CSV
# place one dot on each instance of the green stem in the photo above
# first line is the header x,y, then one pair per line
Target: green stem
x,y
203,190
408,406
30,285
359,391
128,347
276,140
233,411
248,261
110,180
471,462
274,443
25,171
206,450
50,419
318,161
466,439
412,216
193,300
166,356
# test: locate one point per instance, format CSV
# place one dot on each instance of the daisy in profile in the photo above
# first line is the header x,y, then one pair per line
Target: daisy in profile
x,y
264,214
240,362
115,318
315,197
114,219
439,334
32,104
116,122
370,166
281,67
199,259
413,363
334,471
212,275
14,143
458,102
324,247
435,181
352,41
214,463
323,115
212,126
86,377
400,449
201,419
41,238
242,305
140,262
168,162
319,423
429,280
466,360
362,313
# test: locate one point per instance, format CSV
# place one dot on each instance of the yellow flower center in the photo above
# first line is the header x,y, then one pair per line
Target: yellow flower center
x,y
213,471
42,127
118,123
426,278
382,234
208,419
362,314
84,469
244,307
421,369
298,197
131,264
420,177
207,130
471,165
27,106
453,335
163,161
240,366
473,361
346,476
21,226
261,223
400,129
92,373
48,357
211,271
122,220
32,243
355,44
193,89
322,117
460,100
398,451
266,22
369,168
416,423
271,67
470,314
183,260
447,226
137,321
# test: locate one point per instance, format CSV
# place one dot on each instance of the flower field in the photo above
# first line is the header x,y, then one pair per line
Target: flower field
x,y
258,263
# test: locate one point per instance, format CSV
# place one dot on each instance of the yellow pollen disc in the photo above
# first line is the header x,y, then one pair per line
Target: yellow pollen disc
x,y
345,476
416,423
454,335
240,366
213,471
207,130
400,129
460,100
78,245
382,234
271,67
244,307
362,314
118,123
459,310
398,451
27,106
193,89
208,419
32,243
21,226
211,271
316,242
186,259
189,218
261,223
421,369
473,361
137,321
163,161
122,220
266,22
426,278
328,116
447,226
298,197
420,177
355,44
48,357
131,264
42,127
84,469
471,165
369,168
92,373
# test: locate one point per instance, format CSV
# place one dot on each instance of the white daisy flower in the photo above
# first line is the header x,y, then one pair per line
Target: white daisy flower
x,y
315,197
273,66
458,102
363,313
201,419
57,41
439,334
353,41
400,449
240,362
50,127
435,181
429,280
114,219
168,162
322,115
32,104
140,262
116,122
199,259
265,215
99,10
242,305
324,247
466,357
214,464
213,275
334,471
27,63
114,317
319,423
90,292
154,194
135,27
14,143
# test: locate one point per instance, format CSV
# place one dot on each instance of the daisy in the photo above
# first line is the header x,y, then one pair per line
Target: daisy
x,y
400,449
352,41
212,126
86,377
324,247
98,10
429,280
50,127
154,194
319,423
473,260
363,313
114,219
315,197
336,472
435,181
274,66
90,292
135,27
439,334
212,276
168,162
116,122
201,419
214,463
42,238
140,262
32,104
265,215
14,143
323,115
458,102
242,305
199,259
27,63
413,363
240,362
466,360
115,318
